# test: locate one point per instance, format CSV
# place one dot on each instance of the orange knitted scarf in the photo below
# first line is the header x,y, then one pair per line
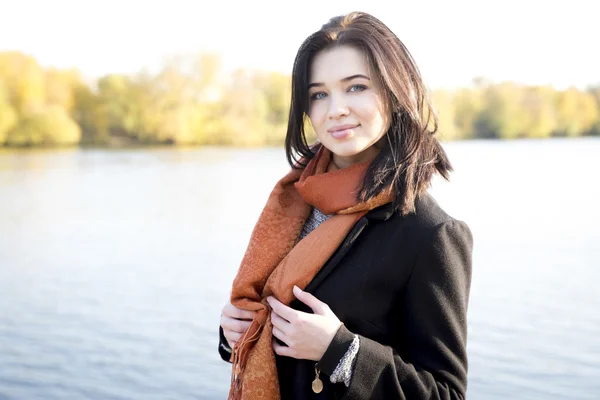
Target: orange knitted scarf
x,y
275,260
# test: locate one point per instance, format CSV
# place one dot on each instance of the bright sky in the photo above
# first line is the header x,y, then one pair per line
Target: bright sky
x,y
529,41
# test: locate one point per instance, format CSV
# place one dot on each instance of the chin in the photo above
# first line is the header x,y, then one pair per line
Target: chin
x,y
343,150
346,149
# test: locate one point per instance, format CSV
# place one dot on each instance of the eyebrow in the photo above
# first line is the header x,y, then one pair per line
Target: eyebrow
x,y
349,78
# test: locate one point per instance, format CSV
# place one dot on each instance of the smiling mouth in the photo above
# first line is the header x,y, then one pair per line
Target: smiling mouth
x,y
343,133
343,128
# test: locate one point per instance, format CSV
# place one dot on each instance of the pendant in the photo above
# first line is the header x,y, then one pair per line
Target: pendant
x,y
317,384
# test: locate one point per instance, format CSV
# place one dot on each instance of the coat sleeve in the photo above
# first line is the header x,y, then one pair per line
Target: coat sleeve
x,y
224,349
433,324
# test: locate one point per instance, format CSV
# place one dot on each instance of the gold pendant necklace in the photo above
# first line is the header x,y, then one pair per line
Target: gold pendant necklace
x,y
317,384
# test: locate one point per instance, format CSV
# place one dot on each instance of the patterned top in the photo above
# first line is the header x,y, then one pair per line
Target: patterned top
x,y
315,219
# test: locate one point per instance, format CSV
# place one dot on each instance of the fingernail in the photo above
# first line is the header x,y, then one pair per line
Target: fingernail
x,y
296,287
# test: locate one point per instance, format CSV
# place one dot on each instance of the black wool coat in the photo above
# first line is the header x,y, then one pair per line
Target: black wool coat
x,y
402,284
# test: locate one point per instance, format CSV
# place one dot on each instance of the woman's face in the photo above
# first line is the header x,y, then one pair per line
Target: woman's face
x,y
346,106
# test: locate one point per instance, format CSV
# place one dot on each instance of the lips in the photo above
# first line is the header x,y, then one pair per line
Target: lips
x,y
341,128
342,131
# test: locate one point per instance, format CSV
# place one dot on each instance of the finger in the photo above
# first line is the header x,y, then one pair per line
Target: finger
x,y
235,312
230,324
280,335
279,322
232,337
284,311
315,304
235,325
282,350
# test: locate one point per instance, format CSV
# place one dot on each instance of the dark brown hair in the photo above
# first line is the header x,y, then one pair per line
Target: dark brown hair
x,y
412,155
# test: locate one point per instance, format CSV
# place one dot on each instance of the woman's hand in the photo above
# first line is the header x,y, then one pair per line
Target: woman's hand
x,y
306,335
235,322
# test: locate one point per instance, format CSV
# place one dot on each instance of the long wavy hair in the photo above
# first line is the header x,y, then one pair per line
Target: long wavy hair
x,y
411,154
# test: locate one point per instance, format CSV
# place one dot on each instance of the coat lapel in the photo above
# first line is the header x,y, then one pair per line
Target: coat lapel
x,y
381,213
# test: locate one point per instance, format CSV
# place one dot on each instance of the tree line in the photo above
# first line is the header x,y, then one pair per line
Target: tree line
x,y
192,101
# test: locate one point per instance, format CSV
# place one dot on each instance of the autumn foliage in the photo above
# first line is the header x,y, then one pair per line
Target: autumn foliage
x,y
192,101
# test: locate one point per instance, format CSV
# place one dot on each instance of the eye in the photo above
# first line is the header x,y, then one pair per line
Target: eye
x,y
317,96
357,88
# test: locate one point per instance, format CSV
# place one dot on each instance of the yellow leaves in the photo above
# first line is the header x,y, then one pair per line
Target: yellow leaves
x,y
508,110
539,118
24,81
446,114
577,112
35,103
8,118
59,86
191,101
45,127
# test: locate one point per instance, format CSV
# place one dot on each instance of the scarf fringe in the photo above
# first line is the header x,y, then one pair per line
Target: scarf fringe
x,y
239,355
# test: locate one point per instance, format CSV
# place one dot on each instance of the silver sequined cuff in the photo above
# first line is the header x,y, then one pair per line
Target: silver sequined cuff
x,y
343,371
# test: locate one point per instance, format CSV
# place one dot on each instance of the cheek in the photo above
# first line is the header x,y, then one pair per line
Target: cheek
x,y
372,113
380,125
316,112
382,115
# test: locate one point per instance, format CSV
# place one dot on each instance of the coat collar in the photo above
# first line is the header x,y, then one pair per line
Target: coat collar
x,y
381,213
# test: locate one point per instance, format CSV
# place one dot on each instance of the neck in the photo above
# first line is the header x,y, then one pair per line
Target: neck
x,y
342,162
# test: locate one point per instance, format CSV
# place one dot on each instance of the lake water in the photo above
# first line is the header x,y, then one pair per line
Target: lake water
x,y
114,266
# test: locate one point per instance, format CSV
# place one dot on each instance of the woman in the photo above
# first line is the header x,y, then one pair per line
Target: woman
x,y
355,283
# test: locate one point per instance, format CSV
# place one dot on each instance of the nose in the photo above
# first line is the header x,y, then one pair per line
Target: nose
x,y
337,107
